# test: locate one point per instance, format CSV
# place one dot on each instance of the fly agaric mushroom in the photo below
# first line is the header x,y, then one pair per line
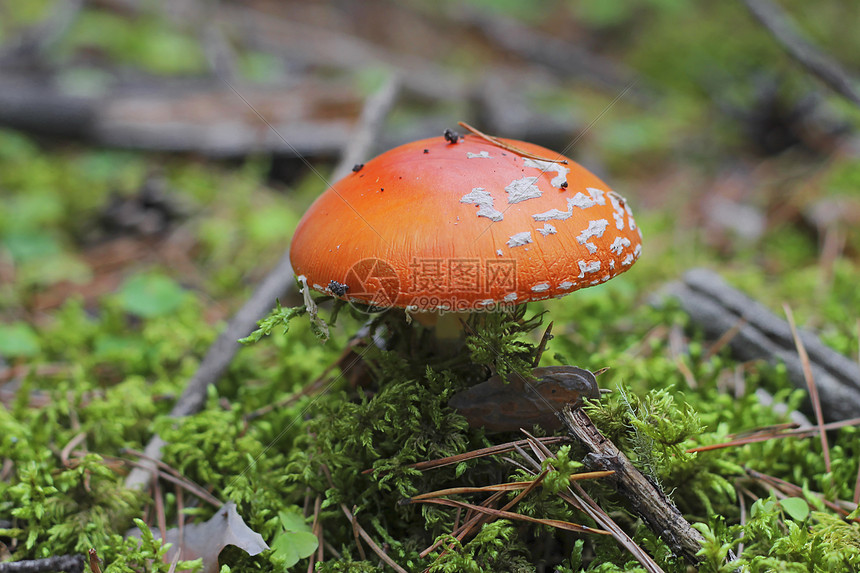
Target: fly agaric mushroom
x,y
474,224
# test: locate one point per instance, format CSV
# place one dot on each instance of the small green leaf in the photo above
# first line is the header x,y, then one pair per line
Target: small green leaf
x,y
18,339
795,507
150,294
296,541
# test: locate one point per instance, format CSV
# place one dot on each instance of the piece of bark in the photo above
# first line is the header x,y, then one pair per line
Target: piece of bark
x,y
716,307
646,500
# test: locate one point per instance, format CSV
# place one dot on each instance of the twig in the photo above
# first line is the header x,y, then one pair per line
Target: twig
x,y
316,529
724,339
489,451
368,127
579,498
67,563
512,148
784,489
369,540
355,528
275,285
807,55
173,476
513,486
502,514
67,449
547,336
218,359
649,502
810,383
763,436
471,519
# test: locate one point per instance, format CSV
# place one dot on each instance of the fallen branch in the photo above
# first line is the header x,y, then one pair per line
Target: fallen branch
x,y
579,498
646,500
716,307
807,55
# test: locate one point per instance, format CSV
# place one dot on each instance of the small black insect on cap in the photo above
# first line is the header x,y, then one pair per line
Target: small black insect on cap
x,y
357,167
451,136
337,289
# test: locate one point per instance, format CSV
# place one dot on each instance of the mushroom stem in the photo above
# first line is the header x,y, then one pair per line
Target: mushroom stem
x,y
447,326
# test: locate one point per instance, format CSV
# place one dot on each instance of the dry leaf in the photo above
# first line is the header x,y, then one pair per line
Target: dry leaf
x,y
206,540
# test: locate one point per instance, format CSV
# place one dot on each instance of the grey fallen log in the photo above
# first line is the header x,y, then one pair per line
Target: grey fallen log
x,y
716,307
203,116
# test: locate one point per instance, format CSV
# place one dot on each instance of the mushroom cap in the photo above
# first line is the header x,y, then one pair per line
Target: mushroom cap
x,y
433,225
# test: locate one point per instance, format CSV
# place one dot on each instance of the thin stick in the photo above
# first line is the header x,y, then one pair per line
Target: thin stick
x,y
763,436
580,499
160,517
810,383
67,450
460,533
355,528
274,285
513,486
499,513
815,61
218,359
490,451
369,540
499,143
368,127
174,476
316,528
856,497
648,501
547,336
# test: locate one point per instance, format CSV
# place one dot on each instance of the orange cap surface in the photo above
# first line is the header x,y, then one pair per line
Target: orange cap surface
x,y
434,225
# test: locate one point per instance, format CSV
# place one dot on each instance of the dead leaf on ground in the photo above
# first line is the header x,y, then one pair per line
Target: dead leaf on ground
x,y
206,540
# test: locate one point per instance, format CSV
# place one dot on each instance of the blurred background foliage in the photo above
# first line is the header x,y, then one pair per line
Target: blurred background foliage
x,y
122,255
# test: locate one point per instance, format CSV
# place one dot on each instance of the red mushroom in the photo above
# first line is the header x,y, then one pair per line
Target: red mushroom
x,y
464,226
